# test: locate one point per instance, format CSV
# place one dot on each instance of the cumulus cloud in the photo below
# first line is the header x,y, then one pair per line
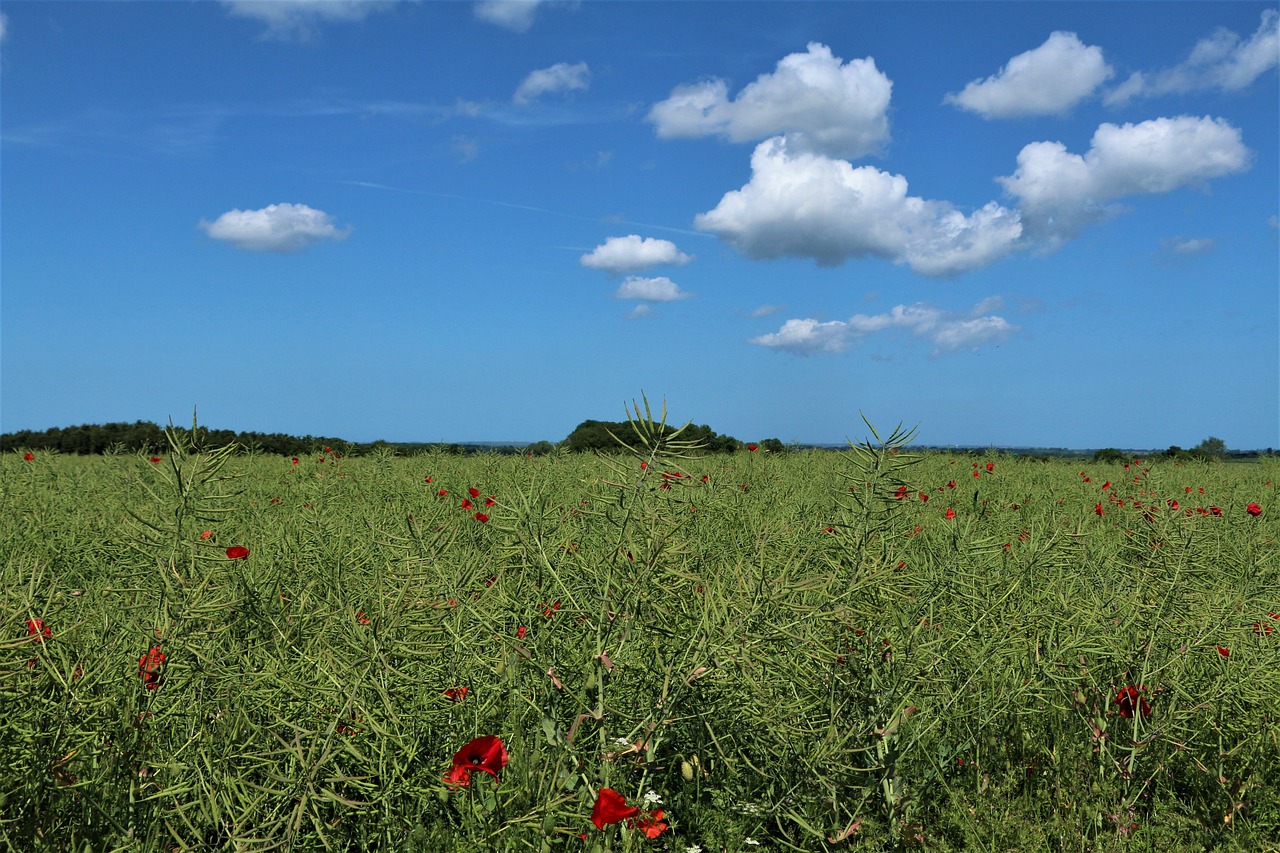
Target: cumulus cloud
x,y
300,19
514,15
802,204
1059,192
820,103
657,289
561,77
1049,80
274,228
620,255
947,331
1220,61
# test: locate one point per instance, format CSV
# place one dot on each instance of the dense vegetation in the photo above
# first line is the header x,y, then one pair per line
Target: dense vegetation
x,y
802,651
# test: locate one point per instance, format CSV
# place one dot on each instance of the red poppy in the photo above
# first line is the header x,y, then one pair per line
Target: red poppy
x,y
457,694
237,552
1253,509
484,753
293,460
1172,504
924,497
29,456
466,503
482,517
1106,485
1130,699
1097,508
950,513
650,823
428,479
149,668
474,492
37,626
611,807
644,465
155,458
362,619
521,631
991,466
753,448
1225,652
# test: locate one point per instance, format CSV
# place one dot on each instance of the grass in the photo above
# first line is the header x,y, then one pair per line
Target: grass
x,y
780,652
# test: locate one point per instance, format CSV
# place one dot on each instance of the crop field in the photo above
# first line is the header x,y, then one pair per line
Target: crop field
x,y
874,649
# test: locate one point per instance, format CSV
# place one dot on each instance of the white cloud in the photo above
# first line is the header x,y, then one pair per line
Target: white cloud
x,y
766,310
619,255
1220,61
4,26
1191,245
561,77
1049,80
1059,192
514,15
821,104
948,332
806,205
274,228
657,289
299,19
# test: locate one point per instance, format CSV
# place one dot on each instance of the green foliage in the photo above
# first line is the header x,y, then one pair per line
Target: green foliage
x,y
793,649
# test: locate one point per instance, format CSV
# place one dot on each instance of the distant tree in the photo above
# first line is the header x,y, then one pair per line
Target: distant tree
x,y
773,445
1108,454
1211,448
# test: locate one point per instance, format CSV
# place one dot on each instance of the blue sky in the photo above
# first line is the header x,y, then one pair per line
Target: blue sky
x,y
1037,223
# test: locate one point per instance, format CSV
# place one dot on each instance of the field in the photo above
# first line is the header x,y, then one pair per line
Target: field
x,y
798,651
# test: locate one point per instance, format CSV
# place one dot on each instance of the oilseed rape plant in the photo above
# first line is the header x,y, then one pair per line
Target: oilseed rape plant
x,y
658,649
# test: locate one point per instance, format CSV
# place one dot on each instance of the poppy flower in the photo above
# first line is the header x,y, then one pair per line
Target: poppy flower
x,y
1253,509
474,492
29,456
611,807
155,459
466,503
950,513
456,694
362,619
753,448
521,631
650,823
427,478
1130,699
1215,510
490,501
37,626
149,668
482,517
1097,508
206,534
237,552
293,460
484,753
991,466
1225,652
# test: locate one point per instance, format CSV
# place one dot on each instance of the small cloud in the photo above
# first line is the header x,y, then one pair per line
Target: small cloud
x,y
274,228
464,148
4,26
299,20
514,15
641,310
1219,61
818,102
767,310
1049,80
948,332
1273,221
657,289
1190,245
561,77
620,255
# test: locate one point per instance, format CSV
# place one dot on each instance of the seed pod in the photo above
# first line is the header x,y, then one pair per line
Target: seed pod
x,y
686,770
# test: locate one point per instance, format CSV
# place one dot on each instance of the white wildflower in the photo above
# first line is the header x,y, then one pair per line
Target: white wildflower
x,y
652,798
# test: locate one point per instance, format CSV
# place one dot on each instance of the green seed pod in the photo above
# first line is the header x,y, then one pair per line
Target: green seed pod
x,y
686,770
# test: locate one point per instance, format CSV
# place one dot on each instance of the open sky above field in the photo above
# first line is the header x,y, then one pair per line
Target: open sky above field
x,y
1048,224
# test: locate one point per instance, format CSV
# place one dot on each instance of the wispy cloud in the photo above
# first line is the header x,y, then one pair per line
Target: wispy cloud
x,y
947,331
300,20
514,15
1221,61
561,77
